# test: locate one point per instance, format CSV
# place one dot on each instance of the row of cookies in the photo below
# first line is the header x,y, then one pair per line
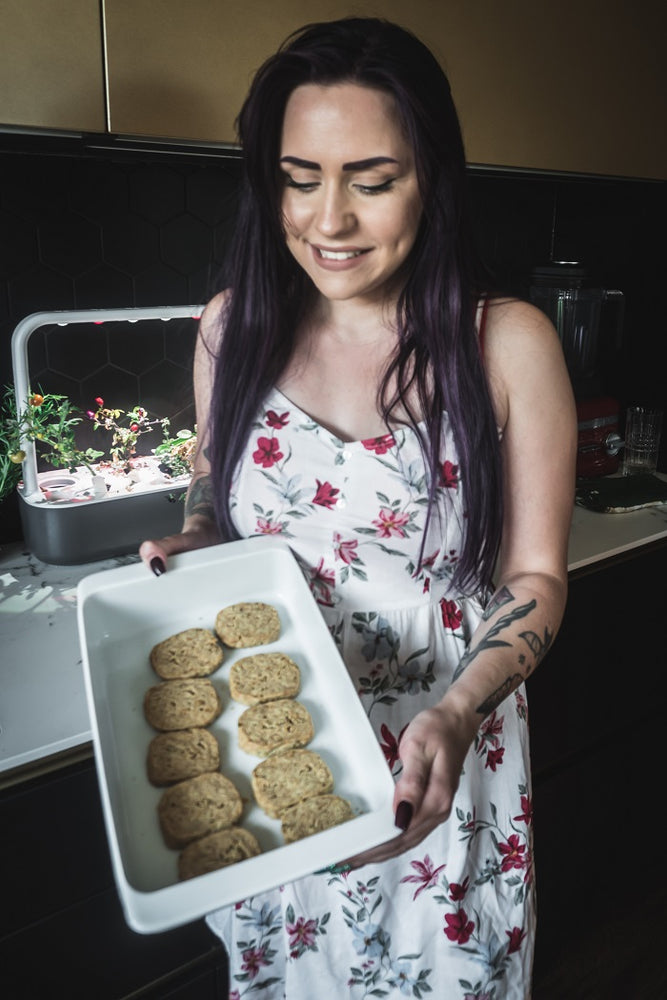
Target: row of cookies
x,y
293,784
199,813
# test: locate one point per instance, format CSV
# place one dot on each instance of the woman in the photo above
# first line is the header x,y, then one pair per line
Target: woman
x,y
414,442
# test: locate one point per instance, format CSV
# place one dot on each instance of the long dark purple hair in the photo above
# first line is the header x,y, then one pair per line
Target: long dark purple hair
x,y
438,358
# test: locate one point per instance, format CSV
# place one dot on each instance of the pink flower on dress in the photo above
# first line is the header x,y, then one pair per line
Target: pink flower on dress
x,y
457,890
450,475
451,614
325,495
345,551
303,933
275,420
494,758
459,928
526,814
266,527
516,936
514,853
380,445
426,877
492,728
268,452
321,582
390,522
390,746
253,959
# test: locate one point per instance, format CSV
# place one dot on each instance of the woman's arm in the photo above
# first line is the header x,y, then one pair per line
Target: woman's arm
x,y
535,410
199,523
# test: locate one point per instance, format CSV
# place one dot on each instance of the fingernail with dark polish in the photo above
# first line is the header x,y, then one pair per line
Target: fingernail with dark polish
x,y
403,815
158,566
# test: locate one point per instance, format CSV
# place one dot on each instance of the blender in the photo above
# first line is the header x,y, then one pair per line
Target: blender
x,y
589,322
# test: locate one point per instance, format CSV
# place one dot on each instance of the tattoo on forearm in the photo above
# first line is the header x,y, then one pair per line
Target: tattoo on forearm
x,y
501,597
200,498
499,695
539,647
489,641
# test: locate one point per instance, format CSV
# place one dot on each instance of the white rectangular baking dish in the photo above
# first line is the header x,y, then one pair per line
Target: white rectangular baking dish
x,y
122,613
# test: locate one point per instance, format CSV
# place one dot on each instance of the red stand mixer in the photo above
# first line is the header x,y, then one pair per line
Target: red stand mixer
x,y
589,322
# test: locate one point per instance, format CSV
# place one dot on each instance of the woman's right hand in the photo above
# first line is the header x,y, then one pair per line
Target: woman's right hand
x,y
155,552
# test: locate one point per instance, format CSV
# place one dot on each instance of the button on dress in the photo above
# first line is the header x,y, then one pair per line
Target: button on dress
x,y
455,915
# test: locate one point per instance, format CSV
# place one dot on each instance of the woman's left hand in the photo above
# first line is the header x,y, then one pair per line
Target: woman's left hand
x,y
432,751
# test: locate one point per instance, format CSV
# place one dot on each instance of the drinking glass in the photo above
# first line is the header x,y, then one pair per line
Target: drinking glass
x,y
643,426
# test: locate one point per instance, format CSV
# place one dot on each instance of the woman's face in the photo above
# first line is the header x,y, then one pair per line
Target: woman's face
x,y
351,203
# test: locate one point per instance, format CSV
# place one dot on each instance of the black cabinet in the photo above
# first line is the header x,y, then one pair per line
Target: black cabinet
x,y
62,930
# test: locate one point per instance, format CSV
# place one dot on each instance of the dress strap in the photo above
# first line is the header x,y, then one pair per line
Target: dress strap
x,y
482,326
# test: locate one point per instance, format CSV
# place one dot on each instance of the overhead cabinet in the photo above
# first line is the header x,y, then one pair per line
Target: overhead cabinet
x,y
574,86
51,66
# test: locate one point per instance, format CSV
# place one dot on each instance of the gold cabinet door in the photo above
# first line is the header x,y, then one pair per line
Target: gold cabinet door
x,y
51,69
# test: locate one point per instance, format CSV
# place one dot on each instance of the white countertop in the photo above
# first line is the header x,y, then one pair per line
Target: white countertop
x,y
43,710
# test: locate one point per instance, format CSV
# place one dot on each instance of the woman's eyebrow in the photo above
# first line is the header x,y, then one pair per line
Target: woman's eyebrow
x,y
372,161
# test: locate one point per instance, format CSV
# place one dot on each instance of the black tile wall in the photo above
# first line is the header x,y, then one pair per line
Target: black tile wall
x,y
89,229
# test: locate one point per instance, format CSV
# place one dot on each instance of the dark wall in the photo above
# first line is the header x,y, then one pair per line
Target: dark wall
x,y
92,228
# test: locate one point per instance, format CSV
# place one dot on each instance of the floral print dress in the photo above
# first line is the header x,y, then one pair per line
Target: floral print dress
x,y
455,915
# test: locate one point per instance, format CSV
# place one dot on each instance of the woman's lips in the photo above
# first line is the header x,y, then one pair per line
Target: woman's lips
x,y
338,259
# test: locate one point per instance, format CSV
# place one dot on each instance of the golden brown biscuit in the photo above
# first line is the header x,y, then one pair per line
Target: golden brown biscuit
x,y
314,815
274,725
195,652
289,777
247,624
183,753
264,677
182,704
198,806
217,850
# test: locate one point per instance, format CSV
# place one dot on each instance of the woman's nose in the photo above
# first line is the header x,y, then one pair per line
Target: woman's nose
x,y
335,215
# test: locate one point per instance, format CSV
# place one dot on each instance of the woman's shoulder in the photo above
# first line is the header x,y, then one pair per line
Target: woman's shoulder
x,y
211,323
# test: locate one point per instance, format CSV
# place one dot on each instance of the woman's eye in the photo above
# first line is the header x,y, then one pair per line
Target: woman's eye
x,y
376,188
300,185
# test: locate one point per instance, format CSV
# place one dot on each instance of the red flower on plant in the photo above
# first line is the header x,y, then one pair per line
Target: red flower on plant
x,y
390,746
451,614
325,495
99,400
516,936
380,445
275,420
458,928
268,452
346,551
514,853
457,890
450,475
426,877
134,428
390,522
494,758
526,814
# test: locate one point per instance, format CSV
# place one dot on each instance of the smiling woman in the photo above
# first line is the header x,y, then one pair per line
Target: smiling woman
x,y
351,380
351,215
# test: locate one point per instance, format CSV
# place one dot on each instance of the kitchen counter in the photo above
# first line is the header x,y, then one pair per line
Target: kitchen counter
x,y
44,720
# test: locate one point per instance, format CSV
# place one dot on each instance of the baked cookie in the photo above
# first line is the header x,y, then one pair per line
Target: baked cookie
x,y
264,677
314,815
274,725
183,753
198,806
247,624
182,704
217,850
193,653
289,777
